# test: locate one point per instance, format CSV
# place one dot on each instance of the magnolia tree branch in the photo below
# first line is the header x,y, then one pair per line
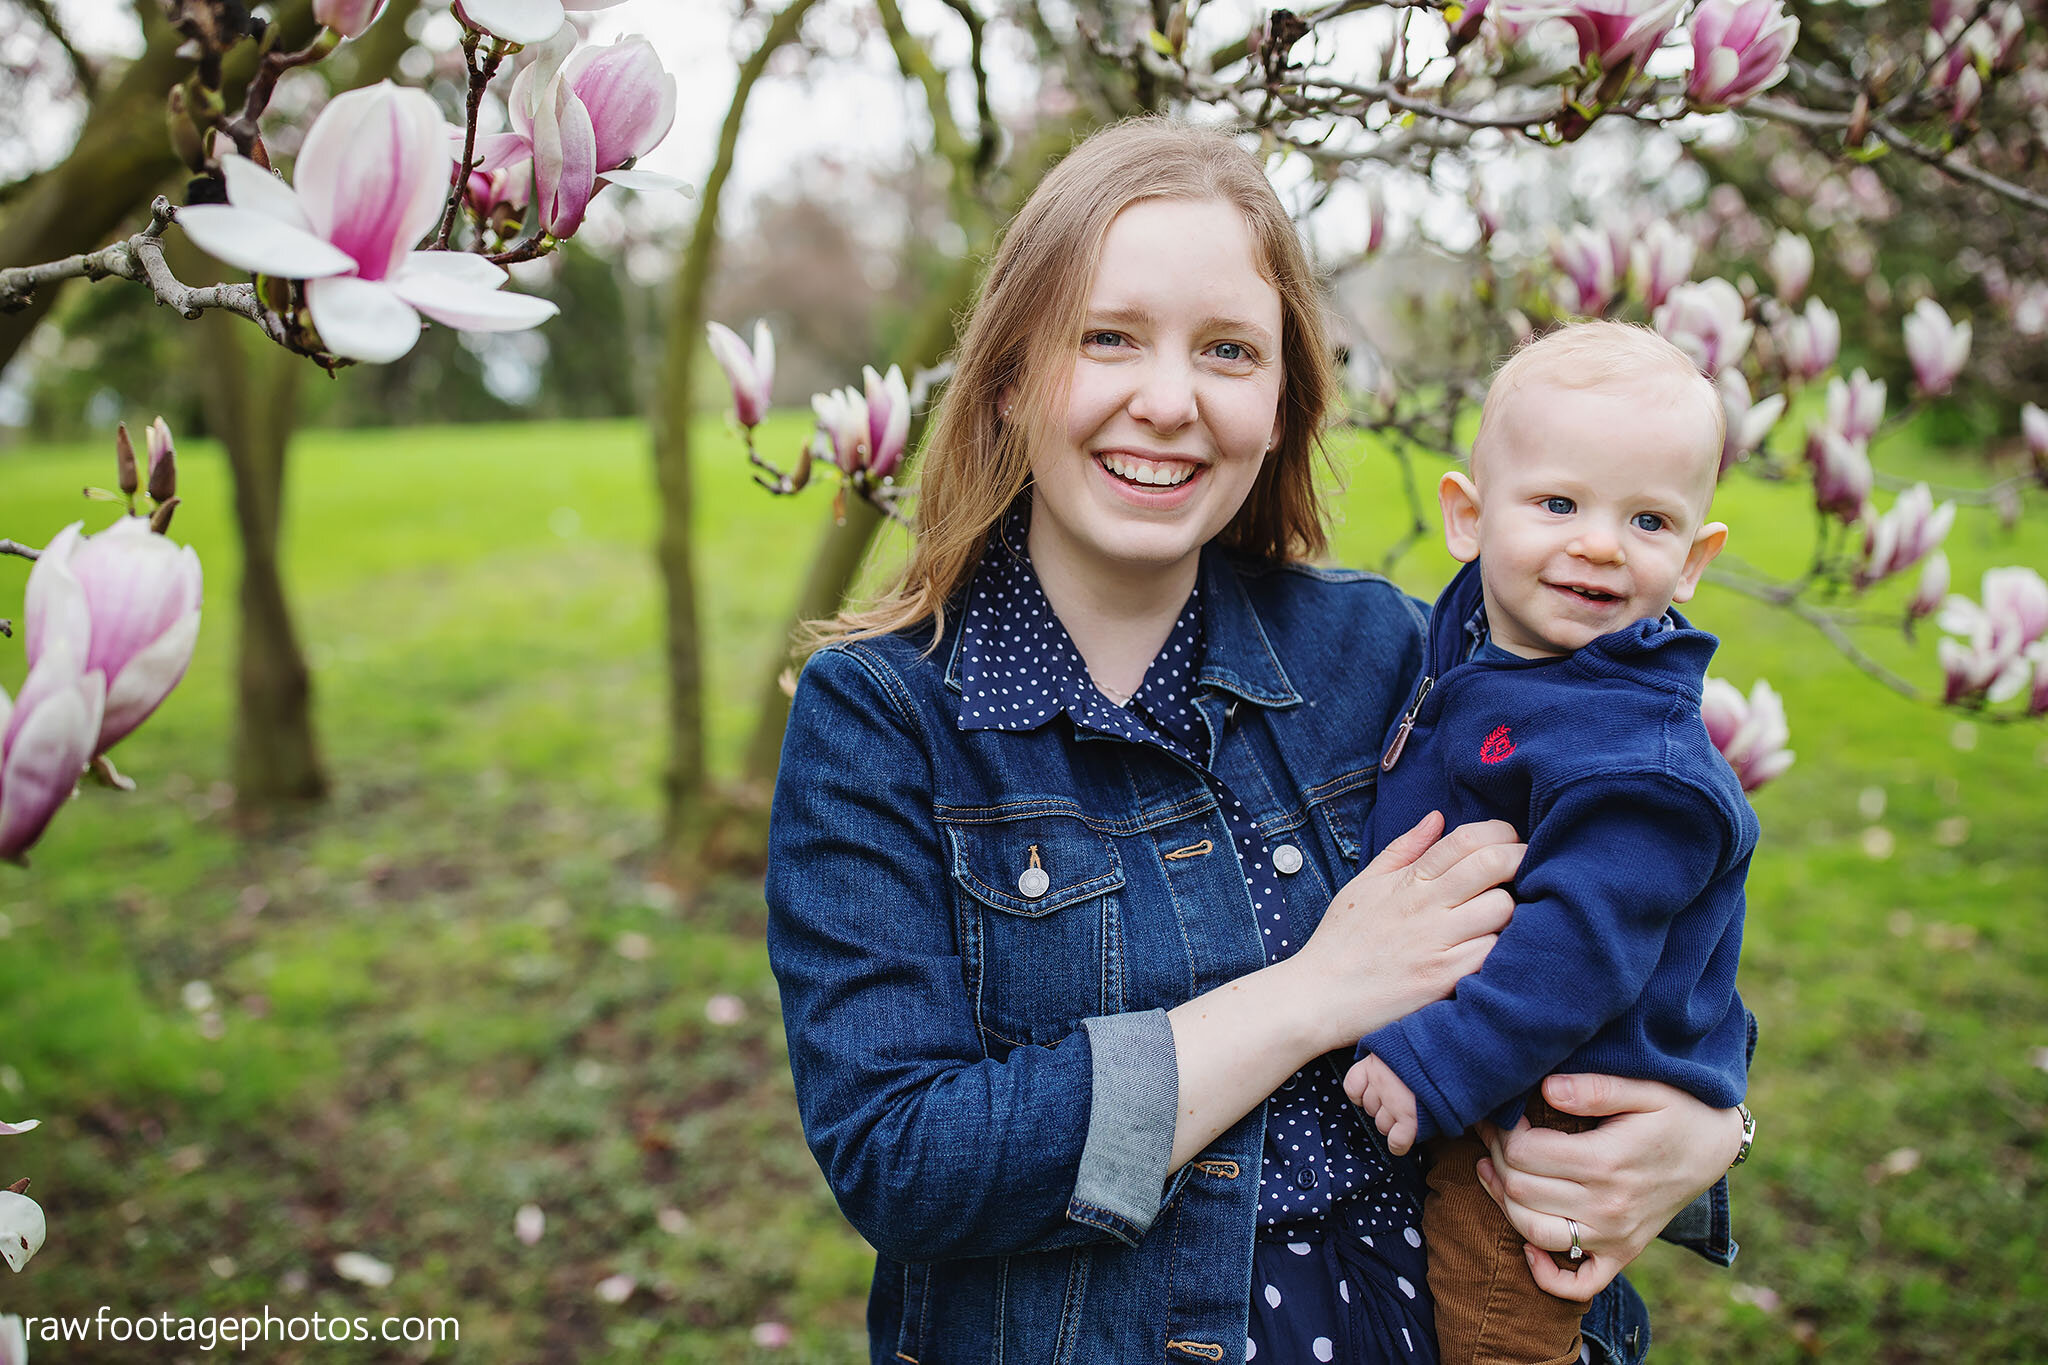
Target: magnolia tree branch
x,y
15,547
141,258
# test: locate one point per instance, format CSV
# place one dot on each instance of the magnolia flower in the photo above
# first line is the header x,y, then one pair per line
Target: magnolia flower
x,y
372,177
348,17
1809,342
2016,599
1739,48
1748,423
751,373
47,735
522,21
888,410
21,1229
15,1129
1750,733
1904,536
1611,33
1791,265
1992,658
1660,261
584,114
125,602
1375,216
1932,587
13,1344
2034,426
163,463
1707,320
509,188
1842,475
1586,256
1937,347
842,434
1856,406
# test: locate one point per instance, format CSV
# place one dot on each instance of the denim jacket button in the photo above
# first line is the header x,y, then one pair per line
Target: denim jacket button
x,y
1287,860
1033,883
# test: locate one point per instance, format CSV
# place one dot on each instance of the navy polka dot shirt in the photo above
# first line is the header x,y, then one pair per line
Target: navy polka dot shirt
x,y
1020,669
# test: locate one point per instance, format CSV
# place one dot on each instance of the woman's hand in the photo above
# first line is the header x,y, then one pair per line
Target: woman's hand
x,y
1402,932
1657,1148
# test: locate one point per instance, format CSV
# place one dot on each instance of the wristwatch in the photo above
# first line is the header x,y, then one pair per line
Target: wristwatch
x,y
1748,1136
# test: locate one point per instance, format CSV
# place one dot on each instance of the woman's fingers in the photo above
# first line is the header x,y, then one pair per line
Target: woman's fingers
x,y
1460,843
1593,1275
1487,866
1410,846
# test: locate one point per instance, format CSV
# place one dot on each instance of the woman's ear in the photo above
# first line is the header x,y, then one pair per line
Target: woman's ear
x,y
1460,502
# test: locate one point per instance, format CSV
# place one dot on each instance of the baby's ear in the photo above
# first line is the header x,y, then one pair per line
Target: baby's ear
x,y
1459,499
1707,542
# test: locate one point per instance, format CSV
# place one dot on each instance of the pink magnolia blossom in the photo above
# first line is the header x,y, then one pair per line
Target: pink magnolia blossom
x,y
1932,587
1791,265
126,601
1586,256
888,411
371,179
1611,33
523,21
1709,322
1902,537
1748,422
2034,426
1937,347
1842,475
1739,48
13,1340
161,448
1990,656
1750,732
46,739
584,115
1856,406
1375,215
842,435
750,372
1660,260
1808,342
348,17
19,1127
509,188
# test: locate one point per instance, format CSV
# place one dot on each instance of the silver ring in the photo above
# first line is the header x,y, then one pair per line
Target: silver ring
x,y
1577,1253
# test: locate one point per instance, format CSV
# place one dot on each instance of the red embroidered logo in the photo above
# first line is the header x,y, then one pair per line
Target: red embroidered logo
x,y
1497,747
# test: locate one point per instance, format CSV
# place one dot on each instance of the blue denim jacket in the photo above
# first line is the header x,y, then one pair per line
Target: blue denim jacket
x,y
987,1076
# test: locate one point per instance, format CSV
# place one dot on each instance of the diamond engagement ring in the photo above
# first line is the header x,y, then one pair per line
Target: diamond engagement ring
x,y
1577,1253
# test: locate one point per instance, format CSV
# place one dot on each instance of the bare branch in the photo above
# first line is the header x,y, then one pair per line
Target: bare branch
x,y
15,547
1823,622
81,70
1799,116
141,258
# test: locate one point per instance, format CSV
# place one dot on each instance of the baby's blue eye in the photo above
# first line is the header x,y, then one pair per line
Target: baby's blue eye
x,y
1558,506
1648,521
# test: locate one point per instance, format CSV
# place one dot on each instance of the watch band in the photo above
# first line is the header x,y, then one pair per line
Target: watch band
x,y
1748,1136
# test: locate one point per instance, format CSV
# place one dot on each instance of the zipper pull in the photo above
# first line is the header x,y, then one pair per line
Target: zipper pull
x,y
1400,739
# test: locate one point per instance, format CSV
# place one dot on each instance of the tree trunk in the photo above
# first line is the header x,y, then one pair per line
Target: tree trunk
x,y
249,392
688,810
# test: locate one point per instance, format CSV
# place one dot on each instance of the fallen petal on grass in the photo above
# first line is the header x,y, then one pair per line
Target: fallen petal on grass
x,y
362,1269
616,1288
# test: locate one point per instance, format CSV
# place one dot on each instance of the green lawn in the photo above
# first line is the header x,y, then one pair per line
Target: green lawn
x,y
451,993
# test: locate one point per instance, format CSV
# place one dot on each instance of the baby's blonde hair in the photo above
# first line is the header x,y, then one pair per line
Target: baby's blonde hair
x,y
1596,354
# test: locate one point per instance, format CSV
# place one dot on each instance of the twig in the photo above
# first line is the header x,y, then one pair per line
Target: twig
x,y
15,547
141,258
1827,626
480,76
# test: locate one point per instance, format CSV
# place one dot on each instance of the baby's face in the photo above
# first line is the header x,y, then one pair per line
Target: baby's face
x,y
1591,512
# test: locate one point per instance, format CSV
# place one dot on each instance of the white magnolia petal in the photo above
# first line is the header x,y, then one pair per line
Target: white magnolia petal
x,y
25,1126
253,188
465,266
55,607
362,319
262,244
637,179
516,21
22,1228
467,308
499,150
374,172
44,760
147,680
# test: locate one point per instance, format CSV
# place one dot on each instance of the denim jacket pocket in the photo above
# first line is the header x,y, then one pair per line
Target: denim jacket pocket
x,y
1344,806
1040,930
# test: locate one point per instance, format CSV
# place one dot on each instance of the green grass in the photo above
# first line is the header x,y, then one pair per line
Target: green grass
x,y
451,992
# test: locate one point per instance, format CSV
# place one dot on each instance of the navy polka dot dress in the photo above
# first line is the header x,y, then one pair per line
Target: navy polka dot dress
x,y
1338,1273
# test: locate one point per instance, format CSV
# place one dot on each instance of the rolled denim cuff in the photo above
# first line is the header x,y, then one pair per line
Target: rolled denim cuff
x,y
1130,1123
1704,1226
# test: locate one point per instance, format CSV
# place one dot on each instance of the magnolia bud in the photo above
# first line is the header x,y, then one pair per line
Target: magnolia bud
x,y
124,460
184,134
160,520
163,464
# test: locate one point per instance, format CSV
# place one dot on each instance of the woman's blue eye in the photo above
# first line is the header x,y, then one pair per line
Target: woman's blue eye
x,y
1558,506
1648,521
1231,350
1102,339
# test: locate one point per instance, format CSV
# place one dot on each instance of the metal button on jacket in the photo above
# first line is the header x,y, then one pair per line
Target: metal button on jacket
x,y
1287,860
1034,883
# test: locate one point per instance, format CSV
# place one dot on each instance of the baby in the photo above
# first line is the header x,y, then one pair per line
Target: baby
x,y
1563,696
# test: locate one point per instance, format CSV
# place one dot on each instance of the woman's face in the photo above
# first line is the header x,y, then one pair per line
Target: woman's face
x,y
1174,399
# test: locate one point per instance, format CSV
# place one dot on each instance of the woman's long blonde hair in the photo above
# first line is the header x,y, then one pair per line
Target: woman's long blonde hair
x,y
1020,344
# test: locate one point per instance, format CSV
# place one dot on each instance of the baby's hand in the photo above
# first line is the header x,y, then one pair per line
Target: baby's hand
x,y
1373,1087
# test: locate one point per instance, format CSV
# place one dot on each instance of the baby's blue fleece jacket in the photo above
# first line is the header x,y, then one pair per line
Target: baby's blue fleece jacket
x,y
1621,954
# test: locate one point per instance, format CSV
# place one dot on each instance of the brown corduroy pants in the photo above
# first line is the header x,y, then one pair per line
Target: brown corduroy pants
x,y
1488,1308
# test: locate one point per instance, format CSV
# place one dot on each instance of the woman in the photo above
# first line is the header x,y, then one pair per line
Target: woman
x,y
1065,886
